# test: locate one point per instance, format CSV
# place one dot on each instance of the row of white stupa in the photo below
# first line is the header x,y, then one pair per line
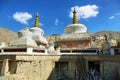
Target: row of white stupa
x,y
34,36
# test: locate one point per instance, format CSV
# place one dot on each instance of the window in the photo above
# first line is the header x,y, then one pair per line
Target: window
x,y
61,70
61,66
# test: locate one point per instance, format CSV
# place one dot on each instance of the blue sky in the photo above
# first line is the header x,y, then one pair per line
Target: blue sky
x,y
55,15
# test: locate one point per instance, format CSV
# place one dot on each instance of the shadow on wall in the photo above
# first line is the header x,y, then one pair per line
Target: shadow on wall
x,y
59,67
74,67
68,67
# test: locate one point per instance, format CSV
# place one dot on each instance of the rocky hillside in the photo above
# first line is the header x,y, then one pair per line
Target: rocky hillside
x,y
7,35
111,34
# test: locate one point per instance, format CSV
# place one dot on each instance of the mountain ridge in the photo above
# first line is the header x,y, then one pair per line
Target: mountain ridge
x,y
7,35
111,34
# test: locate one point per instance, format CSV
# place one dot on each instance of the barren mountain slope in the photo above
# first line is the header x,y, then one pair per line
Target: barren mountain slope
x,y
7,35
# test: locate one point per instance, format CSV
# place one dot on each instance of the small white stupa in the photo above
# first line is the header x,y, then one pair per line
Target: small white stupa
x,y
38,34
2,45
51,46
106,46
25,39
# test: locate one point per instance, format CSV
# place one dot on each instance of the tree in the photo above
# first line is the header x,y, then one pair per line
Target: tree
x,y
118,42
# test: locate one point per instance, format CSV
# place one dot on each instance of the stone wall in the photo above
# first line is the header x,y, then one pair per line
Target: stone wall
x,y
35,67
111,70
44,67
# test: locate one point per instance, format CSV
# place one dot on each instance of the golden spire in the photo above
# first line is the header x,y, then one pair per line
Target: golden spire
x,y
74,17
106,37
36,24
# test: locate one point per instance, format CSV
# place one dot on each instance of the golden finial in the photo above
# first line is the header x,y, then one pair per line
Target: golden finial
x,y
74,17
36,24
106,37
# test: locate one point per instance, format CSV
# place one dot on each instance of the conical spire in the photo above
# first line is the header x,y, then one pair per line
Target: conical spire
x,y
74,17
36,24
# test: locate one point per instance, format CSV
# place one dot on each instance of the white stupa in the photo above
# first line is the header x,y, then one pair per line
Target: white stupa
x,y
75,27
25,33
32,37
74,31
25,39
38,33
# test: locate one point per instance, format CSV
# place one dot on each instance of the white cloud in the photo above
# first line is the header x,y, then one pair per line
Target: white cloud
x,y
85,12
22,17
56,21
41,24
111,17
117,14
114,15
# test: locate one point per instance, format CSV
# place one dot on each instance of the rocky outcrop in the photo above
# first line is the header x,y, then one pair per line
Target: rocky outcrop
x,y
111,34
